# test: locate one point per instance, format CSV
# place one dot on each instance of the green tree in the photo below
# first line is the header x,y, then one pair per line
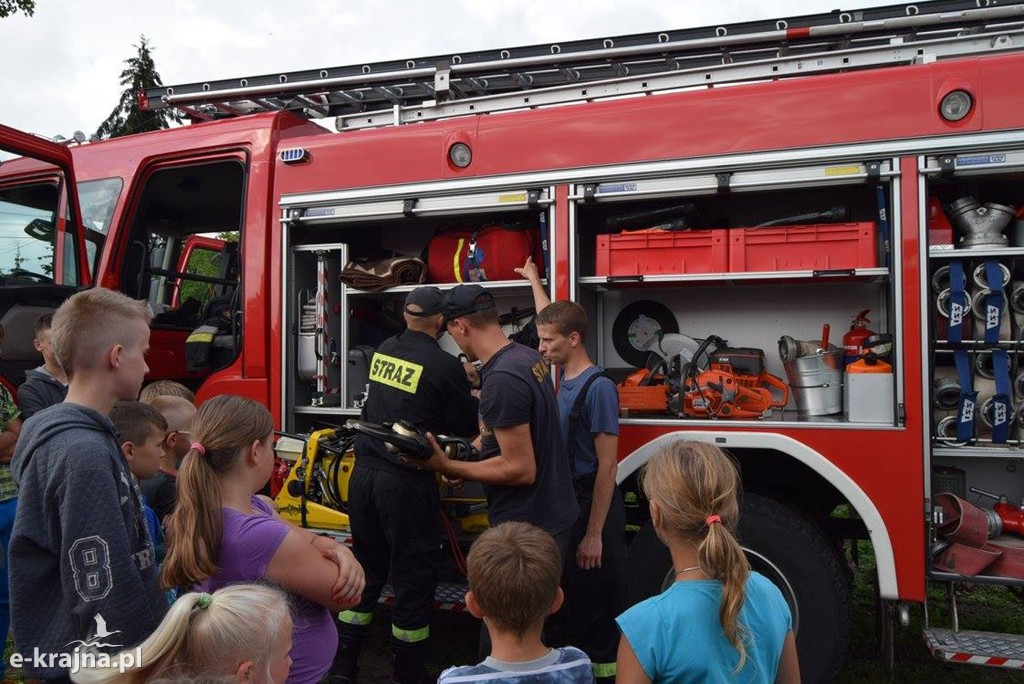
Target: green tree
x,y
9,7
127,117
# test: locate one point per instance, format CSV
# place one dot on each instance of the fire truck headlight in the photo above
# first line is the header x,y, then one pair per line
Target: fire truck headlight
x,y
460,155
956,105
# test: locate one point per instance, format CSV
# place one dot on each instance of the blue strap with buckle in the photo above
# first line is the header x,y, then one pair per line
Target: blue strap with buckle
x,y
1002,408
968,399
995,301
957,301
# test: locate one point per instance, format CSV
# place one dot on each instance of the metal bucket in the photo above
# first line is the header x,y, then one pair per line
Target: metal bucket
x,y
817,383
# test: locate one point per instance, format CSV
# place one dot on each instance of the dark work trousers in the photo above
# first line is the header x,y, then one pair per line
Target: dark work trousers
x,y
562,539
595,597
396,531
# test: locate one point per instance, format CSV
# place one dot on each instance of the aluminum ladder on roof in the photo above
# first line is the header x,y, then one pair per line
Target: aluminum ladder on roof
x,y
422,89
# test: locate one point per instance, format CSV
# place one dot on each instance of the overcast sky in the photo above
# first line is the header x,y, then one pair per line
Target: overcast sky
x,y
59,68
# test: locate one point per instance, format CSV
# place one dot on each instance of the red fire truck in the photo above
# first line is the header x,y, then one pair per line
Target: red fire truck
x,y
753,183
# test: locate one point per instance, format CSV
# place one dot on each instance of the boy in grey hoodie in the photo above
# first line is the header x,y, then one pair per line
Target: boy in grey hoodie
x,y
81,559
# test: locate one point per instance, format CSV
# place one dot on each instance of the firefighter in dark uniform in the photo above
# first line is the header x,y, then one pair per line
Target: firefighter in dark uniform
x,y
395,508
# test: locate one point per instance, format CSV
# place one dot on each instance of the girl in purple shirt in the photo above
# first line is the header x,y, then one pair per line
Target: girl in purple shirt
x,y
222,534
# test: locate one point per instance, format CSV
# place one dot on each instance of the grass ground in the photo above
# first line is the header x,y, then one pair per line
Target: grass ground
x,y
982,607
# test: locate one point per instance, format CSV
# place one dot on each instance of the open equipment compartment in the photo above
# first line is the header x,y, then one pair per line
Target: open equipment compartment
x,y
340,234
974,226
749,255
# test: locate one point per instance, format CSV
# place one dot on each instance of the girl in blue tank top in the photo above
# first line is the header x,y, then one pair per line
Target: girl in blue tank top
x,y
718,622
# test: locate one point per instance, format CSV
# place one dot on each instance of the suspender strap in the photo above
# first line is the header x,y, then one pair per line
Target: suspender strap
x,y
995,301
1002,407
968,398
576,414
957,301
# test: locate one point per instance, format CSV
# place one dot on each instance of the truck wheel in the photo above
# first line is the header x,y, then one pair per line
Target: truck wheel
x,y
793,554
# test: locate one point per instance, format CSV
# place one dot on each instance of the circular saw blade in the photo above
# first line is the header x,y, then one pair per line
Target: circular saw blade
x,y
638,327
676,345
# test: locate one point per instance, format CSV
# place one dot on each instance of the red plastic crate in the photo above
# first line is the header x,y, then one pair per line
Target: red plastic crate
x,y
804,248
655,252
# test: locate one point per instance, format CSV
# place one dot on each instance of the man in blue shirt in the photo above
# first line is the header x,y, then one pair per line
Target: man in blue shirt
x,y
588,406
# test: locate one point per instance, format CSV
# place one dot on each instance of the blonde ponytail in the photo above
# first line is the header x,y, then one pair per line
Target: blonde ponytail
x,y
205,638
695,485
721,557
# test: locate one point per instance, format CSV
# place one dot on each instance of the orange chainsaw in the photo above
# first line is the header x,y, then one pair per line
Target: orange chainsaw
x,y
735,385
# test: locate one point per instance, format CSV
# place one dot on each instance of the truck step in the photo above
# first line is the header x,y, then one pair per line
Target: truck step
x,y
976,648
449,596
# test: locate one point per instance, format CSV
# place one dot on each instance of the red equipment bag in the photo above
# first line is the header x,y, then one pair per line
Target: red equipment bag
x,y
489,253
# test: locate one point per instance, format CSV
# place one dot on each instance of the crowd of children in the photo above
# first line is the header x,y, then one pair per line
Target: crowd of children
x,y
87,564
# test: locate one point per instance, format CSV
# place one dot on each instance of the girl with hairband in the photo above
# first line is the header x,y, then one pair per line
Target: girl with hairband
x,y
222,533
241,633
718,621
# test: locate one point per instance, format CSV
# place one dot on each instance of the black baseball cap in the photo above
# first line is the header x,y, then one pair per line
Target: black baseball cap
x,y
428,298
463,300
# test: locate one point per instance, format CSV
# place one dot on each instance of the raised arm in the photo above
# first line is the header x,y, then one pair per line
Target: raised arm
x,y
530,271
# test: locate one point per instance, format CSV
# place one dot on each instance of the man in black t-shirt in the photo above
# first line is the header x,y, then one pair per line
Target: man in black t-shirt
x,y
394,508
523,463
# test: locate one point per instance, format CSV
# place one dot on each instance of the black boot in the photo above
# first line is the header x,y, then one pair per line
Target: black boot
x,y
346,659
407,662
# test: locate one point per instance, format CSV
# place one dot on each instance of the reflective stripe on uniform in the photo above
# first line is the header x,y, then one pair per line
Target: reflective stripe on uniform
x,y
410,636
604,669
203,334
395,372
351,617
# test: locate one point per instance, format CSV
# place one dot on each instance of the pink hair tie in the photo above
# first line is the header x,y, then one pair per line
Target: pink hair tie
x,y
198,448
708,521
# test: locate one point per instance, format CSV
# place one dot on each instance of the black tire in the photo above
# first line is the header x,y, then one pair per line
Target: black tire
x,y
792,553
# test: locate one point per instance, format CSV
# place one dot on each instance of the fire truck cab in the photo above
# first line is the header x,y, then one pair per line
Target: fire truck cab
x,y
761,183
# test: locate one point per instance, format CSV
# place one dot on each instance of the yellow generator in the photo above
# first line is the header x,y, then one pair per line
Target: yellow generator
x,y
314,492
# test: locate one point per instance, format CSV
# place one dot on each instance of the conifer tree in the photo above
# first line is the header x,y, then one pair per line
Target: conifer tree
x,y
127,117
9,7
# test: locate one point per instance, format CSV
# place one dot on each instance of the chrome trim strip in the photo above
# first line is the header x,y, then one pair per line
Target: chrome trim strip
x,y
886,149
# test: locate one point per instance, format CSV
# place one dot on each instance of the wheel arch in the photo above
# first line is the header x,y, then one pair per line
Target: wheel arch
x,y
799,452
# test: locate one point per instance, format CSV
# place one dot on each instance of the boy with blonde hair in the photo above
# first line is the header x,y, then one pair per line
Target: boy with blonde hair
x,y
81,554
165,388
514,571
160,490
48,384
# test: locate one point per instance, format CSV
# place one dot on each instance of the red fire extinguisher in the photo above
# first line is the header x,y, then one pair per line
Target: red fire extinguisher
x,y
853,338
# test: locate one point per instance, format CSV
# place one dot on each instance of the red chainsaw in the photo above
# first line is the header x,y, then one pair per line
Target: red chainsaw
x,y
735,385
